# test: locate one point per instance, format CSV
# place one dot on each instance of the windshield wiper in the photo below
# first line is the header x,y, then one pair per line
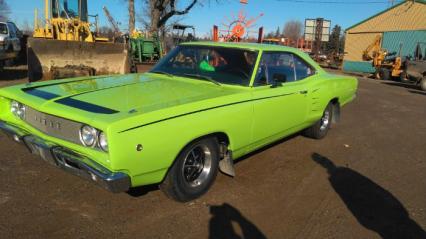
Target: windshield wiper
x,y
162,72
202,77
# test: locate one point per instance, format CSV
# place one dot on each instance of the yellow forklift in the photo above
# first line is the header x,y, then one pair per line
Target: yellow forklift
x,y
64,45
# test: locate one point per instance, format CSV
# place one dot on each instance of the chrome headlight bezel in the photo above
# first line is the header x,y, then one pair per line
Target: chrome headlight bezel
x,y
18,109
103,141
88,136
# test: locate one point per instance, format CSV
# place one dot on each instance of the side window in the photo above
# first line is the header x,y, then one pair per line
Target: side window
x,y
275,67
281,67
18,32
3,28
303,69
12,31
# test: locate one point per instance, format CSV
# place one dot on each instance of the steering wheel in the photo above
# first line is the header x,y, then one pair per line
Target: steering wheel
x,y
241,72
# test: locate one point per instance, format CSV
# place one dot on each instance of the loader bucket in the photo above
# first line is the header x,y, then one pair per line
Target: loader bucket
x,y
54,59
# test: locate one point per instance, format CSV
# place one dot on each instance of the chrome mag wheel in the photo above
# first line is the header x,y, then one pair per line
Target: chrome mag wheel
x,y
197,165
325,120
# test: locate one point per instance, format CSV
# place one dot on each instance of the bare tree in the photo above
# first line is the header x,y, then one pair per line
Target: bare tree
x,y
161,11
4,10
131,16
26,28
293,30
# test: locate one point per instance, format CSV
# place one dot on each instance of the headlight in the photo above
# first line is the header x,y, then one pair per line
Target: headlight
x,y
103,142
88,135
17,109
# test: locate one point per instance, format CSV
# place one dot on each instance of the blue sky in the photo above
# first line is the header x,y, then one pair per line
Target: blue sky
x,y
276,12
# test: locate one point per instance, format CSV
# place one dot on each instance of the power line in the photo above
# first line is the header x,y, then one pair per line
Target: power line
x,y
335,2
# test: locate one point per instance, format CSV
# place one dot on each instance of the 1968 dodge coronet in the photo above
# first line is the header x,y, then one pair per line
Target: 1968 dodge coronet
x,y
202,106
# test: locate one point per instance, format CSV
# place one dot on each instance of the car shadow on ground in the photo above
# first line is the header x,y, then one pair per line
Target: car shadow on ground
x,y
403,85
144,190
266,147
13,74
223,220
373,206
417,92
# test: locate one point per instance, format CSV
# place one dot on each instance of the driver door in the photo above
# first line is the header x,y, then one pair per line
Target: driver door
x,y
280,98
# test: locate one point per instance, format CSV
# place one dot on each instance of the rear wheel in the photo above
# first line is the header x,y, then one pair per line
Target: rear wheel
x,y
320,128
194,171
403,77
423,83
385,74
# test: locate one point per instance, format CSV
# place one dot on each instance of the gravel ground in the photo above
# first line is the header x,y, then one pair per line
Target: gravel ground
x,y
366,179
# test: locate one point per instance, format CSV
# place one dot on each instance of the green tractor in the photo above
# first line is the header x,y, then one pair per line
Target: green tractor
x,y
144,52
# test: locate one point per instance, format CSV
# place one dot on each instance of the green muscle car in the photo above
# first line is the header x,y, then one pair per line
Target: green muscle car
x,y
201,107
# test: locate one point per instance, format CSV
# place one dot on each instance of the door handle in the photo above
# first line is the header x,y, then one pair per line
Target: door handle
x,y
303,92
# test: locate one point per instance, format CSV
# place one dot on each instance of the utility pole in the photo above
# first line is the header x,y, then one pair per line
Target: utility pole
x,y
318,36
131,16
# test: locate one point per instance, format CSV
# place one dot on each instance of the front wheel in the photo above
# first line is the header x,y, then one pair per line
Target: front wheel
x,y
194,171
320,128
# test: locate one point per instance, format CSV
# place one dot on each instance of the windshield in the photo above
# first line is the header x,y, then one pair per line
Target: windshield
x,y
3,28
217,64
70,9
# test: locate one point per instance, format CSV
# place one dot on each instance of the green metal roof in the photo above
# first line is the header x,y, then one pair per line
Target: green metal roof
x,y
397,5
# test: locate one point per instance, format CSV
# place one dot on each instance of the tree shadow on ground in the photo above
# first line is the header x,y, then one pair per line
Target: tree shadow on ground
x,y
221,224
373,206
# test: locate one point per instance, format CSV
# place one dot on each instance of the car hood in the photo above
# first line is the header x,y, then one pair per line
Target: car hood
x,y
117,97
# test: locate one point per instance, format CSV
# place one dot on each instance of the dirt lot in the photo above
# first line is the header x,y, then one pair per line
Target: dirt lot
x,y
365,180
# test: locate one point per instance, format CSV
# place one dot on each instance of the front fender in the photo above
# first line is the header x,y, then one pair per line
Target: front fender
x,y
162,141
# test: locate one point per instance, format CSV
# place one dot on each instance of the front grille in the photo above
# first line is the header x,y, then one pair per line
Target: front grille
x,y
53,126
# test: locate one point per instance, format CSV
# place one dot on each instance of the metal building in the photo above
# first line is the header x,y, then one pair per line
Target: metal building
x,y
401,25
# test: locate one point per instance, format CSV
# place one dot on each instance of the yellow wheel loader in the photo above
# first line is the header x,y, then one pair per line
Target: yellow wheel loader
x,y
386,68
63,45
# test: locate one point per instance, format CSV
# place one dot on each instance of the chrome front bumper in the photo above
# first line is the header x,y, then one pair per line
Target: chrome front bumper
x,y
68,160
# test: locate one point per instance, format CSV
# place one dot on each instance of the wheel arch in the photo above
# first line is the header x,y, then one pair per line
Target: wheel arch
x,y
336,110
219,135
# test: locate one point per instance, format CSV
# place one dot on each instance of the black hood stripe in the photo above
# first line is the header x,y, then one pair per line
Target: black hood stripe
x,y
78,104
41,94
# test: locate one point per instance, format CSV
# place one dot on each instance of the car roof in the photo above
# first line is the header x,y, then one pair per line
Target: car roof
x,y
258,47
244,45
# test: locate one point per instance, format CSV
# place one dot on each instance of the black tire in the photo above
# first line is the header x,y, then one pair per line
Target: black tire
x,y
385,74
423,83
403,77
179,184
320,128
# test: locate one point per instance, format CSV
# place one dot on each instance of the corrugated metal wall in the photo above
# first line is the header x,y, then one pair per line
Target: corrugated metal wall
x,y
404,23
356,43
358,66
408,39
407,16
